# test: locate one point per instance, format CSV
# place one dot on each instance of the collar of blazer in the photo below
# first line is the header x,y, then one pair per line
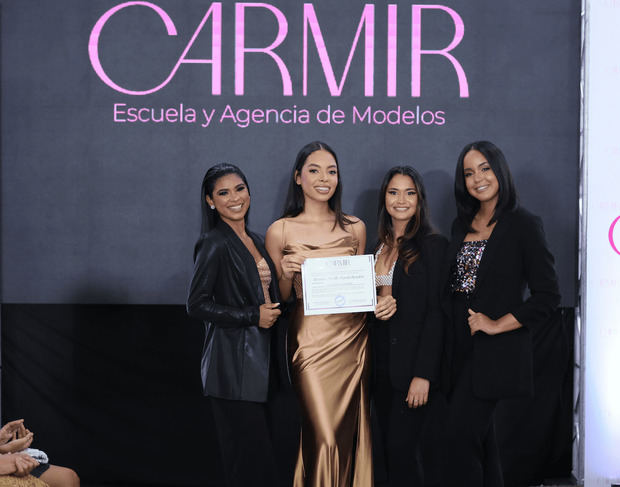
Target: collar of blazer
x,y
399,267
492,249
250,272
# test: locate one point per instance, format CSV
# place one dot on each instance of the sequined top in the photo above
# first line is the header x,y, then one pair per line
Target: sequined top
x,y
265,278
465,271
383,279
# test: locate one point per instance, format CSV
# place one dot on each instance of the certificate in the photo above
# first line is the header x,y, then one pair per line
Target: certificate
x,y
344,284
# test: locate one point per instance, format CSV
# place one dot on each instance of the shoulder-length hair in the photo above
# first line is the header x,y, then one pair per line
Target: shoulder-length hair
x,y
210,217
295,199
466,205
417,227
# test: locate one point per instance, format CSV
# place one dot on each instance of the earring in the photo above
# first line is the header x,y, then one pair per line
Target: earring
x,y
213,207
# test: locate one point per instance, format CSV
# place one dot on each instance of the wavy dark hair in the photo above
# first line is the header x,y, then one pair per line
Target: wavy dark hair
x,y
211,217
417,228
466,205
295,199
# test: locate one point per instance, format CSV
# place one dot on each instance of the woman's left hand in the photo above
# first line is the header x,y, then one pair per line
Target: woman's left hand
x,y
9,431
417,395
18,444
386,307
481,322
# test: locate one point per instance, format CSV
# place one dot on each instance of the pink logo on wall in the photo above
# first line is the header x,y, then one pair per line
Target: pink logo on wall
x,y
611,235
311,34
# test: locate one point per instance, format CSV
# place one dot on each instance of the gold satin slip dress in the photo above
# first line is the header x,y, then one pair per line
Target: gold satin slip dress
x,y
330,373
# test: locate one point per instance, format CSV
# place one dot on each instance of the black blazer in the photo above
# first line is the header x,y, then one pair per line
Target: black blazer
x,y
515,256
226,293
416,329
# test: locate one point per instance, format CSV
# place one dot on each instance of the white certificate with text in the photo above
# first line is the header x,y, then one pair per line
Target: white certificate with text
x,y
344,284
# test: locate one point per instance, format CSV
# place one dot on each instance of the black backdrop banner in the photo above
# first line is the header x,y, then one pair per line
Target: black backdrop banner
x,y
112,111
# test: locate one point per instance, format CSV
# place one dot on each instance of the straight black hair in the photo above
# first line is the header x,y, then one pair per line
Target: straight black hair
x,y
295,199
417,227
211,217
466,205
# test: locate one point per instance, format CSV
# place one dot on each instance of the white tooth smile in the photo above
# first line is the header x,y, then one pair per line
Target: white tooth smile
x,y
482,188
401,208
322,189
236,207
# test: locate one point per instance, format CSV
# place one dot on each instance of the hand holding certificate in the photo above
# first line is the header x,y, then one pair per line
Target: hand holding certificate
x,y
344,284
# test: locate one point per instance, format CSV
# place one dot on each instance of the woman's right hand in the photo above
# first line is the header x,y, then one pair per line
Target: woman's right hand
x,y
268,314
18,464
24,464
386,307
291,264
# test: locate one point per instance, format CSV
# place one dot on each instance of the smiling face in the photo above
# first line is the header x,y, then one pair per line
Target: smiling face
x,y
230,197
401,198
318,177
480,179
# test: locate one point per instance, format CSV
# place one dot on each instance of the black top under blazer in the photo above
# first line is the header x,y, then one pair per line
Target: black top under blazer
x,y
416,329
516,256
226,293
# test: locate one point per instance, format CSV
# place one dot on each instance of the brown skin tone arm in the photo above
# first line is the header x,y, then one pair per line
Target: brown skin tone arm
x,y
481,322
285,265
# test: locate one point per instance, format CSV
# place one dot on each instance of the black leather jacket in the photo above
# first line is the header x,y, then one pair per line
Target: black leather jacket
x,y
226,293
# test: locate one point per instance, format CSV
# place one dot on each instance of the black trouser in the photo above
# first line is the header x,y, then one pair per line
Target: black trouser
x,y
471,457
245,443
471,454
401,427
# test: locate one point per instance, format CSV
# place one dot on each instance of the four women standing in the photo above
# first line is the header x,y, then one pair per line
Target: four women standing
x,y
497,249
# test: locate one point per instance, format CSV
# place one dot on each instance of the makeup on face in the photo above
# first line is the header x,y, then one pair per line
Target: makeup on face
x,y
231,197
480,180
318,177
401,197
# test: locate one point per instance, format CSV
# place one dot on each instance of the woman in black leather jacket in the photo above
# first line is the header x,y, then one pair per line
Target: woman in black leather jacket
x,y
235,292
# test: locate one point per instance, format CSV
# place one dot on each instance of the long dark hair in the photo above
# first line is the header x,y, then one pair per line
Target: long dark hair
x,y
295,199
211,217
417,227
466,205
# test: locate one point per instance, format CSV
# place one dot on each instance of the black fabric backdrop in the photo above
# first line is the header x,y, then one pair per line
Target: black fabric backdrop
x,y
114,392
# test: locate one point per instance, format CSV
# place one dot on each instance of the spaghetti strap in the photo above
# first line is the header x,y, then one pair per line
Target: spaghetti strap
x,y
283,243
379,250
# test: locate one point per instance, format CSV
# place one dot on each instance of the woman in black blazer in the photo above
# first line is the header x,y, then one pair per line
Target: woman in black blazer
x,y
235,292
407,332
496,250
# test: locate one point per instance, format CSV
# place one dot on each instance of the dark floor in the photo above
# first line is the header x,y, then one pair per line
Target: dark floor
x,y
547,483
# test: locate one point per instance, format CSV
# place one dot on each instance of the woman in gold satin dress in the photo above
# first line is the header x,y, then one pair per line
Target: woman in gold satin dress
x,y
329,353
